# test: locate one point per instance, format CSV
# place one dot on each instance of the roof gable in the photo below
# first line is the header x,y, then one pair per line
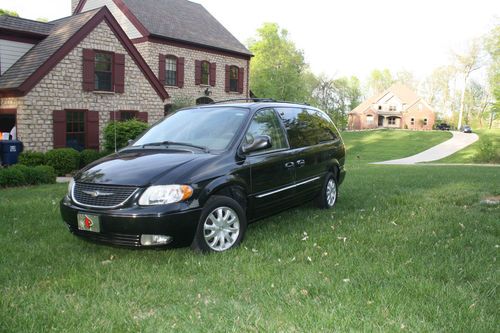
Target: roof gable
x,y
179,20
65,35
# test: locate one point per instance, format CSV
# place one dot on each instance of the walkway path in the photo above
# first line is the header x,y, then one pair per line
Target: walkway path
x,y
457,142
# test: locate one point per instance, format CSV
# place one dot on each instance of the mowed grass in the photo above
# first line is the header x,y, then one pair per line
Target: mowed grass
x,y
382,145
470,154
406,248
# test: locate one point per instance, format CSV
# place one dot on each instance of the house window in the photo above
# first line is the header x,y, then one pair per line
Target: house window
x,y
412,121
233,78
392,108
205,72
128,115
171,71
103,71
380,107
369,120
425,121
75,129
392,120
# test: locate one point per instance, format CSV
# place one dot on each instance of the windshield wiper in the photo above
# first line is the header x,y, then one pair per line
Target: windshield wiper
x,y
174,143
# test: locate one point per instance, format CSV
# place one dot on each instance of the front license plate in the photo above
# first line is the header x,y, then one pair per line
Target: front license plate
x,y
89,222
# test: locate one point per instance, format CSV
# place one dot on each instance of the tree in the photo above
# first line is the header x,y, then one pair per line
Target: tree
x,y
492,47
438,89
8,12
337,97
278,67
466,63
407,78
379,80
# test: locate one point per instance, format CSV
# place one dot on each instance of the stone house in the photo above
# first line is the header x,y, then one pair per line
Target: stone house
x,y
396,107
61,82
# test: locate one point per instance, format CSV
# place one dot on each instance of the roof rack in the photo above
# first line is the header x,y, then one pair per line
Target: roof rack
x,y
245,99
257,100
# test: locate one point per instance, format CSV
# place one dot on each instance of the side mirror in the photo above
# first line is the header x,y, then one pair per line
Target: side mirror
x,y
259,143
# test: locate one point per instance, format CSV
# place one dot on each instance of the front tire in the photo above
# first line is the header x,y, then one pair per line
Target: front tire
x,y
329,192
221,227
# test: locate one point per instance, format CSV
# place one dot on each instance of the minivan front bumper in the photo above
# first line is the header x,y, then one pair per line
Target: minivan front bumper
x,y
125,226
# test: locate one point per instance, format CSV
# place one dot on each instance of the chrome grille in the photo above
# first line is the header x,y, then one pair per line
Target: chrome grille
x,y
104,196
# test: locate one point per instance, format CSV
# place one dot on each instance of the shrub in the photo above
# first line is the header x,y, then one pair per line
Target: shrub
x,y
88,156
488,153
19,175
64,160
12,176
125,130
32,158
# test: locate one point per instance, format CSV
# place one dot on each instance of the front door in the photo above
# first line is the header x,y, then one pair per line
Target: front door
x,y
272,169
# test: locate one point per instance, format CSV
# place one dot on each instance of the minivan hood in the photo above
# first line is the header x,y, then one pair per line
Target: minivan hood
x,y
135,167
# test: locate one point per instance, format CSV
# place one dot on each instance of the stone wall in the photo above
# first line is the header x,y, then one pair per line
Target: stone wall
x,y
190,92
62,89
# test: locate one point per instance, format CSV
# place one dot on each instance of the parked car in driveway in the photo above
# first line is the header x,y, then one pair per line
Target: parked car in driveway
x,y
203,173
443,127
467,129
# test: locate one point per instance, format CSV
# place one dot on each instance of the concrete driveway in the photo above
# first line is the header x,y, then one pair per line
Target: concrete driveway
x,y
457,142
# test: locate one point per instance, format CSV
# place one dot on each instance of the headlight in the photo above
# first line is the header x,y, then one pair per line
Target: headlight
x,y
165,194
70,186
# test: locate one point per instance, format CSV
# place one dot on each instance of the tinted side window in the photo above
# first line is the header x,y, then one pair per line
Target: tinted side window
x,y
266,122
306,127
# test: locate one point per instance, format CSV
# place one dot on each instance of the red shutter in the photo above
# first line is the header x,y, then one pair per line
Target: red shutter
x,y
180,72
88,69
161,69
92,130
227,78
119,72
114,116
143,116
59,128
241,76
213,71
197,72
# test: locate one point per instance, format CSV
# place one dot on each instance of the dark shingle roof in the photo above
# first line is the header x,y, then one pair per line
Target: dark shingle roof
x,y
184,21
61,31
24,25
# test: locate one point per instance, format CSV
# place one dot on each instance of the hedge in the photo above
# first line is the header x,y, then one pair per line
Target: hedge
x,y
32,158
20,175
64,160
125,131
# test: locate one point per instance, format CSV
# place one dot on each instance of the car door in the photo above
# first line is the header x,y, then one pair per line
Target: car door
x,y
313,145
272,170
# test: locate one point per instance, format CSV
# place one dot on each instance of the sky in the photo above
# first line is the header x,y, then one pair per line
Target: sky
x,y
344,37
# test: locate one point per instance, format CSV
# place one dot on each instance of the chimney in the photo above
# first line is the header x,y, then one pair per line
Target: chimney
x,y
74,3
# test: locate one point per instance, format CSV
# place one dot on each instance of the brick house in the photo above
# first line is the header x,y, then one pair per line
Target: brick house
x,y
61,82
396,107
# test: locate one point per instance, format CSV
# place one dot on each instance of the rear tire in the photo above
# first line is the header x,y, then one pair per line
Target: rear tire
x,y
221,227
329,192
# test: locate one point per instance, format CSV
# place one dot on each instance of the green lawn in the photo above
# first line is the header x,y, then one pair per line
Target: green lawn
x,y
382,145
470,154
406,248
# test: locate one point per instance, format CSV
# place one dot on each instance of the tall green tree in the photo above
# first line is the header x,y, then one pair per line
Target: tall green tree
x,y
492,47
337,97
278,68
8,12
379,80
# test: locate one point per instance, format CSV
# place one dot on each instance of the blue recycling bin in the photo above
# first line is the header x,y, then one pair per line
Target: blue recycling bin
x,y
10,150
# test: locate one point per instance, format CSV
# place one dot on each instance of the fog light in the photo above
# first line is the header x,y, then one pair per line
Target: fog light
x,y
151,240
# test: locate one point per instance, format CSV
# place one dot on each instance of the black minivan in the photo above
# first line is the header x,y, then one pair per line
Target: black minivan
x,y
201,174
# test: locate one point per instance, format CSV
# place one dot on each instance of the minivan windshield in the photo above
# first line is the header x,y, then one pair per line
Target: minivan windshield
x,y
210,128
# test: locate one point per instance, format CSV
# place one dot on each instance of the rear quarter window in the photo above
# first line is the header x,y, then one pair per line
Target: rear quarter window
x,y
306,127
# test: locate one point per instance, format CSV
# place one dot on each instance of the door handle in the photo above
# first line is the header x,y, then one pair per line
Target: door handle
x,y
301,163
289,164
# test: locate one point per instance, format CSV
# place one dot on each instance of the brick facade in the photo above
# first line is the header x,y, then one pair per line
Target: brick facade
x,y
62,89
190,92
